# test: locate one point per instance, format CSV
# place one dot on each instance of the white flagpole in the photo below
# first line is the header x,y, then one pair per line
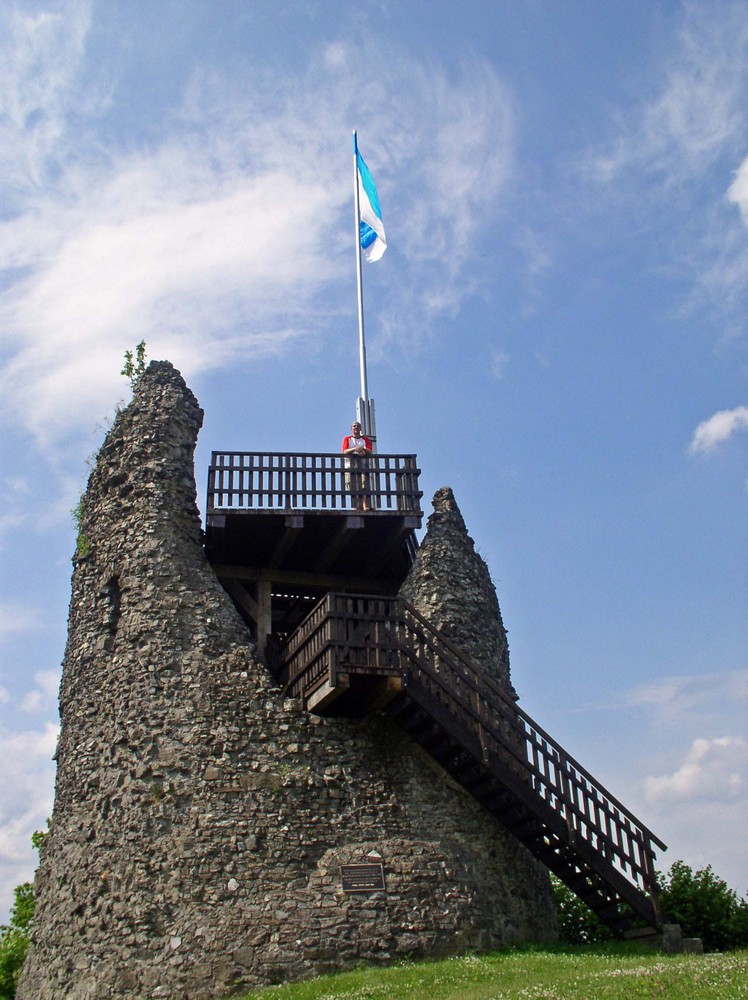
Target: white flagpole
x,y
359,279
364,405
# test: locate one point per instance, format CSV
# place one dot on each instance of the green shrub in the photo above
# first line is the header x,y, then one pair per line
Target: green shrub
x,y
14,940
701,902
705,907
577,923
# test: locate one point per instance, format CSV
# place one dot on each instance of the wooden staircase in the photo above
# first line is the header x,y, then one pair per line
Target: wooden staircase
x,y
359,653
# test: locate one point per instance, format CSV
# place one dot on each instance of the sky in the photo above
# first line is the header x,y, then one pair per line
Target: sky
x,y
558,329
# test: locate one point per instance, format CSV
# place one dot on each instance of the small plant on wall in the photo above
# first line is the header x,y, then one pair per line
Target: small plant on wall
x,y
134,365
82,544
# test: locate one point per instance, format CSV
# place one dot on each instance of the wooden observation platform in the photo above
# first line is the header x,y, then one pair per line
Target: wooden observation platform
x,y
317,581
282,530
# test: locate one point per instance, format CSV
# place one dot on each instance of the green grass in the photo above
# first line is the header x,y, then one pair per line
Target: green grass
x,y
612,972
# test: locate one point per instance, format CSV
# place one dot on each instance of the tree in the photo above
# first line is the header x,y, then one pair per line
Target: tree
x,y
705,907
14,937
701,902
14,940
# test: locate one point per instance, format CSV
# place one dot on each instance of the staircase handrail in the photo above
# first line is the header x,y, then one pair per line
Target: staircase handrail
x,y
564,791
478,680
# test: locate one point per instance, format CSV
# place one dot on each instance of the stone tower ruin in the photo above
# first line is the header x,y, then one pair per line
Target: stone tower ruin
x,y
201,817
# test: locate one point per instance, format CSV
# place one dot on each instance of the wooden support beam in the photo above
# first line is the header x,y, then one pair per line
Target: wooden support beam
x,y
340,539
383,692
392,545
327,693
294,523
264,614
318,581
242,597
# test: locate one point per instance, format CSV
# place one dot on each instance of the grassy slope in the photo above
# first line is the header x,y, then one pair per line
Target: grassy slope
x,y
615,972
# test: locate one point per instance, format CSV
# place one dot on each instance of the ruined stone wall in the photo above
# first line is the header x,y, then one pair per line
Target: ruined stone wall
x,y
450,585
200,819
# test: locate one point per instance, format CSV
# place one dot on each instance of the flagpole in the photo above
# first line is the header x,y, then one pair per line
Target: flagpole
x,y
359,279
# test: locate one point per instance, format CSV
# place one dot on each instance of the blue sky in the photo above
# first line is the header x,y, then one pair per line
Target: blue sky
x,y
558,328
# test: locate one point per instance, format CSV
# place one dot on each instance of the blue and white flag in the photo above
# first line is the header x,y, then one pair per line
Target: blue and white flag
x,y
371,227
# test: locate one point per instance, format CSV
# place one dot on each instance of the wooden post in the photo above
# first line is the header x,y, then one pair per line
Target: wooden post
x,y
264,614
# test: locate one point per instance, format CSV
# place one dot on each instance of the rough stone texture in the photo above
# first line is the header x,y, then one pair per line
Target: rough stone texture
x,y
450,585
672,942
200,819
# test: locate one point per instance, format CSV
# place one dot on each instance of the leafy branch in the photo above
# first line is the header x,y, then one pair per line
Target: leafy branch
x,y
134,365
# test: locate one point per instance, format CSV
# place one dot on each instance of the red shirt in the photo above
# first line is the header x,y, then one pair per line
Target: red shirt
x,y
347,442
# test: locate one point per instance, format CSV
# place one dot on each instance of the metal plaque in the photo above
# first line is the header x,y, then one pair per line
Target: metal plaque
x,y
362,878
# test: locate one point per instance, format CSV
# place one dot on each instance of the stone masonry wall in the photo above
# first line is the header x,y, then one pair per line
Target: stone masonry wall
x,y
450,585
200,819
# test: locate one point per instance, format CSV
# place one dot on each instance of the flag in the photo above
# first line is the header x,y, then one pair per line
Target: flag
x,y
371,227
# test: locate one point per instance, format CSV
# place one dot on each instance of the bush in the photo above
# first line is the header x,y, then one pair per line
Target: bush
x,y
14,940
701,902
577,923
705,907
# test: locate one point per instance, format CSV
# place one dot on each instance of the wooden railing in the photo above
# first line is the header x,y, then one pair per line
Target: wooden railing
x,y
343,634
373,635
244,480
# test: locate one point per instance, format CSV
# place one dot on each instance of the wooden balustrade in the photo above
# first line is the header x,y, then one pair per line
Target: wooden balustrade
x,y
377,635
257,481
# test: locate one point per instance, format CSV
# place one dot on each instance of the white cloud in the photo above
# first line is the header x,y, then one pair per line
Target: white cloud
x,y
718,428
41,55
228,238
498,364
692,725
180,276
24,752
698,110
4,696
44,695
737,193
536,251
702,831
681,699
9,523
669,151
15,617
17,485
51,496
713,769
26,793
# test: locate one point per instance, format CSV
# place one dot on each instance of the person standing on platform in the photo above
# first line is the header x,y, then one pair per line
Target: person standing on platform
x,y
357,448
